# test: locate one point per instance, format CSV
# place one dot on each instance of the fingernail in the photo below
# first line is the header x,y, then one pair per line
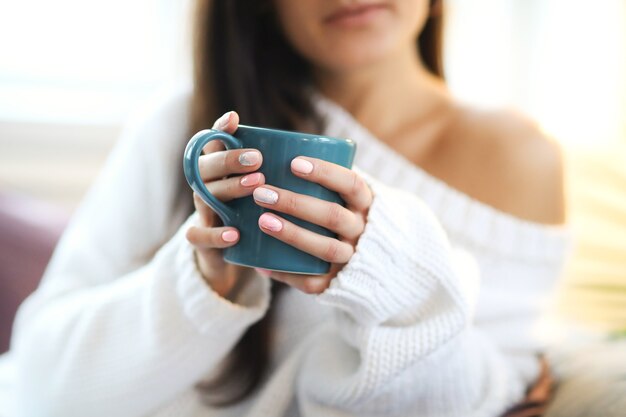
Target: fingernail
x,y
263,272
222,122
270,223
265,195
251,179
302,166
229,236
249,158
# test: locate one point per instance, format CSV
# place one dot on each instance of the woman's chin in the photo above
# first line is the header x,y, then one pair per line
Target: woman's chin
x,y
353,60
352,69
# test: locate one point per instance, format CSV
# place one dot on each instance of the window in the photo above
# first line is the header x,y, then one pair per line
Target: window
x,y
73,61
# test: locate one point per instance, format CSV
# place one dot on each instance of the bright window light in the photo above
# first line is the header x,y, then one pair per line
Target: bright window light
x,y
86,61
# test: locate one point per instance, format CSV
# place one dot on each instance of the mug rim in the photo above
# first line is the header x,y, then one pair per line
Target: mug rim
x,y
292,132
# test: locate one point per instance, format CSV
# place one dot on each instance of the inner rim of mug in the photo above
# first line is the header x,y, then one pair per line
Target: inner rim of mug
x,y
292,132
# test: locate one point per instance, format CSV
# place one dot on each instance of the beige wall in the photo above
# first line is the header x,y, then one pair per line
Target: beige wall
x,y
53,162
594,288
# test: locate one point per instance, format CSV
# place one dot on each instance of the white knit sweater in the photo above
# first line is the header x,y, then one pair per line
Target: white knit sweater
x,y
124,325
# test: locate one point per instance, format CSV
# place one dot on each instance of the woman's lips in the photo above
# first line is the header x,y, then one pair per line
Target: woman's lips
x,y
356,15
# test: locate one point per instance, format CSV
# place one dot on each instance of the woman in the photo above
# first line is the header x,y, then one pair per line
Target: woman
x,y
138,314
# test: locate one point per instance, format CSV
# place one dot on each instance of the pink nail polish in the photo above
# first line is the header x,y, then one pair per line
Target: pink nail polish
x,y
229,236
270,223
251,179
302,166
263,272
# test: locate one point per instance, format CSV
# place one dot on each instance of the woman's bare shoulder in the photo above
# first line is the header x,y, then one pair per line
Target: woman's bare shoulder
x,y
520,168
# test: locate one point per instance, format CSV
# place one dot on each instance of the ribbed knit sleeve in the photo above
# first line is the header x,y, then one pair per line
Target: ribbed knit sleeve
x,y
123,321
403,341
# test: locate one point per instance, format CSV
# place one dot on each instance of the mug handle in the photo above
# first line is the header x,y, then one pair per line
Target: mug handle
x,y
192,172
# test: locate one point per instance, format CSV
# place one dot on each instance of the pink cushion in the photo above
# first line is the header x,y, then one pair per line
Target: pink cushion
x,y
29,230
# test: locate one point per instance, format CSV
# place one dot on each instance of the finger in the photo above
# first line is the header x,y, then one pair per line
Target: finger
x,y
208,218
309,284
235,187
212,237
329,215
228,122
323,247
220,164
213,146
350,185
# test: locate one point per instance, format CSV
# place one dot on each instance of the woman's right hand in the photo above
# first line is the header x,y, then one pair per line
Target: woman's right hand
x,y
211,237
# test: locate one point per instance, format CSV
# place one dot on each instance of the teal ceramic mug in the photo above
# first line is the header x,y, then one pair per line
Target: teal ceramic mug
x,y
278,147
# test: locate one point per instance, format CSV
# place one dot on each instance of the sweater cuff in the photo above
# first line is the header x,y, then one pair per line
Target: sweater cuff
x,y
205,308
402,268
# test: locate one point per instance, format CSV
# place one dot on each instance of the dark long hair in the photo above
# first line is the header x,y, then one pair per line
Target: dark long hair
x,y
243,62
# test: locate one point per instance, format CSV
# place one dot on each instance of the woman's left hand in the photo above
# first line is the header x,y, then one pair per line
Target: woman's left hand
x,y
347,222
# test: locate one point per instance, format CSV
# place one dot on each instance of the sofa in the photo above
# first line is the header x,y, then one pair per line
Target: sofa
x,y
29,231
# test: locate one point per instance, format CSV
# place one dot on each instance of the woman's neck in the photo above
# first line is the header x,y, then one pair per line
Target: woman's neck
x,y
386,95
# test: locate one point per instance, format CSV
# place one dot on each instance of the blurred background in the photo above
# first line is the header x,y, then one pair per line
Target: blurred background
x,y
72,71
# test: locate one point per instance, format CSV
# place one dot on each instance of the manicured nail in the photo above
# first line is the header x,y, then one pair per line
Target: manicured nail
x,y
263,272
265,195
270,223
249,158
251,179
302,166
229,236
222,122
